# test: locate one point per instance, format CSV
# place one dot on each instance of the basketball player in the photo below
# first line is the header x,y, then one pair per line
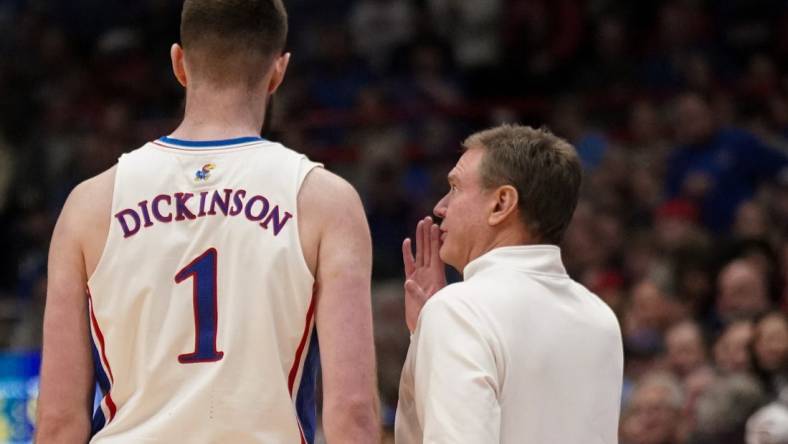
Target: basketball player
x,y
518,352
198,273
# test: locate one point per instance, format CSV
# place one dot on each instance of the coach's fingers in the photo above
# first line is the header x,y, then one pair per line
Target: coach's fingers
x,y
427,244
407,257
435,245
420,244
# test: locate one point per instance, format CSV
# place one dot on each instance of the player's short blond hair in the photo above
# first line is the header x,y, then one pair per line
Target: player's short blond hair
x,y
542,167
232,41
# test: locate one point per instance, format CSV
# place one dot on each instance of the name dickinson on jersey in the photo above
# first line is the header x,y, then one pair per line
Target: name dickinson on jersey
x,y
166,208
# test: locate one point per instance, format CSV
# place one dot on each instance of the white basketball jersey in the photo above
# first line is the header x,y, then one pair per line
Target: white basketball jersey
x,y
201,306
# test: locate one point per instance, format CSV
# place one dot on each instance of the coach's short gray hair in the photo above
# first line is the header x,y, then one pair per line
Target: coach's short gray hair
x,y
543,168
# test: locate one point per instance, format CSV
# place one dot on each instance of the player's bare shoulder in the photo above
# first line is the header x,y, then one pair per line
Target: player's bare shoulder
x,y
86,215
324,189
327,202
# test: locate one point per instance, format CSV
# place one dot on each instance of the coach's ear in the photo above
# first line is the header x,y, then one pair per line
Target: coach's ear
x,y
178,67
279,69
505,202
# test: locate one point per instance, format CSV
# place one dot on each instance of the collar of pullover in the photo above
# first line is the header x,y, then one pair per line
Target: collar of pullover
x,y
534,259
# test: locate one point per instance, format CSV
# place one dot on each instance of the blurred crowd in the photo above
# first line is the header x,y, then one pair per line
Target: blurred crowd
x,y
678,109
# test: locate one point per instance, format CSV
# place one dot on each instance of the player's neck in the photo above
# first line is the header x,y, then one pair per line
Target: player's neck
x,y
221,115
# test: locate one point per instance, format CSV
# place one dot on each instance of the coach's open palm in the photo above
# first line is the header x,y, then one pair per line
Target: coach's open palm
x,y
425,273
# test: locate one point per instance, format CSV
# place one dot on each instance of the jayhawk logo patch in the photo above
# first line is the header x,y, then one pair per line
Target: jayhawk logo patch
x,y
204,173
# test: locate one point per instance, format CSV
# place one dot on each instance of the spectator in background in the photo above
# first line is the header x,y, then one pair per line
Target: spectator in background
x,y
693,278
778,206
429,79
722,410
732,348
742,291
770,347
695,385
751,221
769,425
379,27
610,64
648,148
640,258
685,348
760,253
677,34
653,413
609,181
473,31
650,312
340,74
569,119
675,225
541,38
697,72
646,133
716,168
761,80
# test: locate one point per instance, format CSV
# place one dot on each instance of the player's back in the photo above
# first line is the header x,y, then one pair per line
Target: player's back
x,y
201,304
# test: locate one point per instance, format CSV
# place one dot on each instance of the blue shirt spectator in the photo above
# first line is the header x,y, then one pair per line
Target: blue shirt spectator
x,y
721,173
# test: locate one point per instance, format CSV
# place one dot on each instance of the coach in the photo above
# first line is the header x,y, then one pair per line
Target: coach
x,y
517,352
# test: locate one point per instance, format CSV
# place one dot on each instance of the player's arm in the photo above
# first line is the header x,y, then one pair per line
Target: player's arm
x,y
456,380
66,391
344,313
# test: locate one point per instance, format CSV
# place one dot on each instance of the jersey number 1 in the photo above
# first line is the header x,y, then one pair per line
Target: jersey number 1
x,y
203,270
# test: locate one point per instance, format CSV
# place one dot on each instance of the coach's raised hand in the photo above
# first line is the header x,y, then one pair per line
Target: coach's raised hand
x,y
425,273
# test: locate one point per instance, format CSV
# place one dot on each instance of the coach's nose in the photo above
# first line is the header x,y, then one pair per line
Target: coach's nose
x,y
441,206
